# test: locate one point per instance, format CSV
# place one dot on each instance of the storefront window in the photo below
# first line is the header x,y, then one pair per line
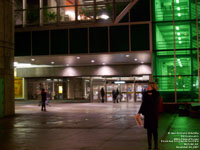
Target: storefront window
x,y
104,11
67,14
86,12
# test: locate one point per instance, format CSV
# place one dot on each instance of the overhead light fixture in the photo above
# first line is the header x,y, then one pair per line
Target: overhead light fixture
x,y
127,55
180,42
178,33
92,61
67,64
15,64
78,57
52,62
119,82
179,14
177,1
32,59
136,59
178,8
103,63
142,62
104,16
177,28
179,38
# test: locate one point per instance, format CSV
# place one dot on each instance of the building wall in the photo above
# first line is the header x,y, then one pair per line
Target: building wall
x,y
6,58
115,70
176,37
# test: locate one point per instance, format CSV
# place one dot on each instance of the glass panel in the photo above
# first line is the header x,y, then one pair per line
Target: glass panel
x,y
103,1
86,12
18,4
32,16
166,88
85,2
194,34
164,36
104,12
119,7
32,4
67,14
181,10
49,15
18,17
67,2
49,3
183,65
163,10
182,35
187,88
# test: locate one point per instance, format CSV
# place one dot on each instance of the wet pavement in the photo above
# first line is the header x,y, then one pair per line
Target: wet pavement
x,y
85,126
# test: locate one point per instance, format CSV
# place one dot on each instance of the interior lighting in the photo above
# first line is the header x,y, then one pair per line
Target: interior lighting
x,y
142,62
103,63
71,14
136,59
179,14
22,65
52,62
119,82
180,42
177,28
177,1
104,16
32,59
67,64
178,8
78,57
178,33
178,59
179,38
127,55
15,64
92,61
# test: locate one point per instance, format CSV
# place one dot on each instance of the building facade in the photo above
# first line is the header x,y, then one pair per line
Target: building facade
x,y
73,48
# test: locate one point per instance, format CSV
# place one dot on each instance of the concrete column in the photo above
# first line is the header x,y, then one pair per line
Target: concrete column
x,y
7,57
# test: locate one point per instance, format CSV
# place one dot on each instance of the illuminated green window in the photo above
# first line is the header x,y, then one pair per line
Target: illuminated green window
x,y
164,36
163,10
181,9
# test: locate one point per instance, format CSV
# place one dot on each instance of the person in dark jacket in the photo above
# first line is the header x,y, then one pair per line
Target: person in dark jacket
x,y
102,95
149,109
44,98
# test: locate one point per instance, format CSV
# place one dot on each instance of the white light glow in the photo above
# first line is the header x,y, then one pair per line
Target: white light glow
x,y
22,65
142,62
179,38
32,59
179,14
104,16
71,14
180,42
136,59
127,55
103,63
78,57
177,1
178,8
119,82
52,62
178,33
177,28
92,61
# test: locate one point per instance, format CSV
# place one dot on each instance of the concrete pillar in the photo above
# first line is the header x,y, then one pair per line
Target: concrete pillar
x,y
6,58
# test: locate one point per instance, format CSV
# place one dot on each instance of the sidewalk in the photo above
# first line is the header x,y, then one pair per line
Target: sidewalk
x,y
84,126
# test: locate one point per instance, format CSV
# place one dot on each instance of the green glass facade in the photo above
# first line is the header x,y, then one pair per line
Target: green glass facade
x,y
175,49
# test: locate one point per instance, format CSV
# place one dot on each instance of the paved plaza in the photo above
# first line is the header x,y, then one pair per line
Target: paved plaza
x,y
83,126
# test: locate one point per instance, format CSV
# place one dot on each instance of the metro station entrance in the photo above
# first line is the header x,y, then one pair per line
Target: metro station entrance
x,y
130,88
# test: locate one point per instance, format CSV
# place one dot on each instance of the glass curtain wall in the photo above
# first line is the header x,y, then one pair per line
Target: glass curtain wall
x,y
176,50
34,12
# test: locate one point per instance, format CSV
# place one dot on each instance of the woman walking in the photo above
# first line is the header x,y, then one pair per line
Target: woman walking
x,y
149,109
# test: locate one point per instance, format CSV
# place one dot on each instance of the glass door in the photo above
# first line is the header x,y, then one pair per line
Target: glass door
x,y
130,92
109,88
95,93
123,92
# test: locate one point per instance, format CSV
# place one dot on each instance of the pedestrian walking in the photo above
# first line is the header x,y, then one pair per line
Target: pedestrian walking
x,y
102,95
44,98
149,108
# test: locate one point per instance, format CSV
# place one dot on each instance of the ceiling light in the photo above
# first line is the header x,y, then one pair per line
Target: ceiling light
x,y
178,8
177,28
142,62
103,63
92,61
127,55
179,38
104,16
15,63
52,62
179,14
136,59
178,59
178,33
67,64
177,1
32,59
78,57
180,42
